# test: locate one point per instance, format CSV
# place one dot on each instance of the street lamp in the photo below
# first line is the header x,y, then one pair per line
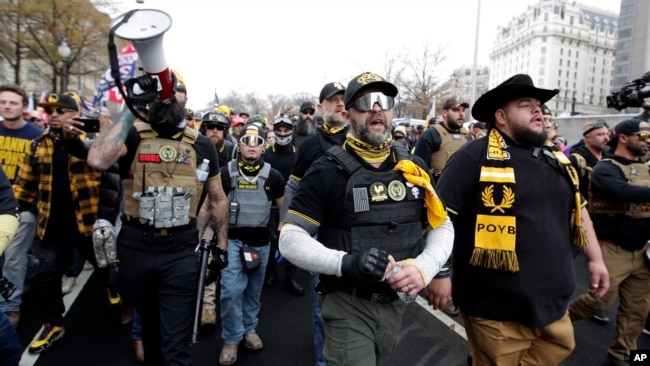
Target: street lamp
x,y
64,52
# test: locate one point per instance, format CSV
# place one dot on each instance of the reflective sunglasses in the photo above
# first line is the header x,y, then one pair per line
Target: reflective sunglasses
x,y
251,140
212,127
365,102
596,126
311,113
643,136
49,110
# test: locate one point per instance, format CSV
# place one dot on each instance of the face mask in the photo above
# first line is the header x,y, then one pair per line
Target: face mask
x,y
283,140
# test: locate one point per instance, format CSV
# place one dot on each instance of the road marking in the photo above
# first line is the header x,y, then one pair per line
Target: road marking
x,y
449,322
29,359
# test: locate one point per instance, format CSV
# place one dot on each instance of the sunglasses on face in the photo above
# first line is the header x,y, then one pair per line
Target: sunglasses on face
x,y
311,113
215,127
49,110
251,140
595,127
365,102
643,136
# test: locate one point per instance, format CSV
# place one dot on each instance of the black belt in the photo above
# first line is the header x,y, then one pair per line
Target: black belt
x,y
373,297
164,231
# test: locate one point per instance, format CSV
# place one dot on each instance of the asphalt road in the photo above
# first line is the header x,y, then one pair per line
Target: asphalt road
x,y
94,335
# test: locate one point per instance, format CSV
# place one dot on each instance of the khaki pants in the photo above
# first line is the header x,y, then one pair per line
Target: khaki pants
x,y
509,343
629,279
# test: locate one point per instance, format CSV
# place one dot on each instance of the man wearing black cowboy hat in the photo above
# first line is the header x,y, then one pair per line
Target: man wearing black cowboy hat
x,y
512,277
619,205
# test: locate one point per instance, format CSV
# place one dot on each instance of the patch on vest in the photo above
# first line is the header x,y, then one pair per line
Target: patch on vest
x,y
378,192
149,158
251,186
146,148
167,154
396,190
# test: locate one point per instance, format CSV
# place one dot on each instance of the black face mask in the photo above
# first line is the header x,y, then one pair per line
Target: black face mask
x,y
166,116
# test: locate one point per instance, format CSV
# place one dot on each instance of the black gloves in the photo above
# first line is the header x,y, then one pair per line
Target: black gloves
x,y
369,265
219,259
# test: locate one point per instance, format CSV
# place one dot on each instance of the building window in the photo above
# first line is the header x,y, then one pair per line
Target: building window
x,y
546,17
543,50
541,71
542,61
571,20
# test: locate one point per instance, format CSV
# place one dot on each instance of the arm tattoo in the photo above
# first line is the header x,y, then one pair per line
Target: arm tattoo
x,y
106,149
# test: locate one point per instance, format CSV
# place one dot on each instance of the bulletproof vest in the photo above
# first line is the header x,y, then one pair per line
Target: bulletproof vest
x,y
450,143
254,206
162,189
636,174
382,210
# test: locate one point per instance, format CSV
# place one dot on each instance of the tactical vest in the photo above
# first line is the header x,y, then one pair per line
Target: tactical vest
x,y
162,189
253,204
382,210
450,143
636,174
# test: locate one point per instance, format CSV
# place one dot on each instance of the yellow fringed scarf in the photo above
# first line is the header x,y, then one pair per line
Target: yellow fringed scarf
x,y
436,213
369,153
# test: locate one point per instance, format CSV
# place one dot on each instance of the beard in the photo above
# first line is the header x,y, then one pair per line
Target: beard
x,y
453,124
364,134
527,136
333,119
305,127
165,117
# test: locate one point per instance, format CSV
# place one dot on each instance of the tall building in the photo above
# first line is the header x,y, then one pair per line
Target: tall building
x,y
562,45
632,48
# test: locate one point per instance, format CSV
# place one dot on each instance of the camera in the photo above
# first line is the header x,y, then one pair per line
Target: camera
x,y
630,95
233,210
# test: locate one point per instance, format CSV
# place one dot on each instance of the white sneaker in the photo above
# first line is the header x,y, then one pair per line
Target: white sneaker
x,y
67,283
88,266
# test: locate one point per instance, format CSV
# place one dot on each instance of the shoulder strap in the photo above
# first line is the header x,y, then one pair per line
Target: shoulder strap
x,y
266,171
401,152
345,160
582,165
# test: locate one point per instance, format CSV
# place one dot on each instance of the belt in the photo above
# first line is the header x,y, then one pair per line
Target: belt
x,y
164,231
373,297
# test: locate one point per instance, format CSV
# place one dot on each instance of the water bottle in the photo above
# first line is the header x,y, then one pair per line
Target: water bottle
x,y
402,296
203,170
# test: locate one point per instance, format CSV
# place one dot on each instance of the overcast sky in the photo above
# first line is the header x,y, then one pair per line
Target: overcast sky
x,y
291,46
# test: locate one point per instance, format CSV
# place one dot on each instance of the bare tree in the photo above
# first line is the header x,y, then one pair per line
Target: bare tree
x,y
420,78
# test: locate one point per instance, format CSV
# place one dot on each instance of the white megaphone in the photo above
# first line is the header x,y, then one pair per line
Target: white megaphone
x,y
145,29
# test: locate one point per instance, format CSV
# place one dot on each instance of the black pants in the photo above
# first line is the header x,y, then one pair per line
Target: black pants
x,y
55,257
160,273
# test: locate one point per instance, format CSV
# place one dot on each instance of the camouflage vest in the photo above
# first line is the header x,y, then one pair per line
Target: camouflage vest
x,y
636,174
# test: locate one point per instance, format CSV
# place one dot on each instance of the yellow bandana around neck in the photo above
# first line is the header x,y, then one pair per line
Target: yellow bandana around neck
x,y
332,130
436,213
369,153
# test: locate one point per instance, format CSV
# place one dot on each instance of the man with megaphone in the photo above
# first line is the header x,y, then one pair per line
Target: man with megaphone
x,y
162,223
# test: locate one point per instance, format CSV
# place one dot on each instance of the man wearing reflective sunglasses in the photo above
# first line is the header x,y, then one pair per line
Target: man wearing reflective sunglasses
x,y
365,204
619,206
251,185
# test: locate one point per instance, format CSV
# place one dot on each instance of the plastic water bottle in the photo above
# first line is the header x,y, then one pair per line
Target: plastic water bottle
x,y
203,170
402,296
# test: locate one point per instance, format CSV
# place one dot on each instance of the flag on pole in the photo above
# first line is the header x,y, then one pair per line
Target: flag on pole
x,y
432,110
106,88
216,99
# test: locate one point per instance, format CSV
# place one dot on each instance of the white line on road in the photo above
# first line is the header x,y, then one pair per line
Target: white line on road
x,y
449,322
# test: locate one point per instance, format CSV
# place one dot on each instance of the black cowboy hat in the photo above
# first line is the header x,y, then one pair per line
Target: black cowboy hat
x,y
518,86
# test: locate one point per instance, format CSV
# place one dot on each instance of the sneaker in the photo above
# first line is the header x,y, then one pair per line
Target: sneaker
x,y
450,309
228,354
208,316
14,317
67,283
50,334
601,318
114,298
253,341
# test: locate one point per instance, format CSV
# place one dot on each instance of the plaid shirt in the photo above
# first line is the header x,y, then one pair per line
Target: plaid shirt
x,y
35,179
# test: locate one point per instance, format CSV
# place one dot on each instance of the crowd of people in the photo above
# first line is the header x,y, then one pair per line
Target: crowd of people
x,y
377,213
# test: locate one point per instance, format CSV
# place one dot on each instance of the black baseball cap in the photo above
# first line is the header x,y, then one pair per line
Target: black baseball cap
x,y
365,81
307,105
329,90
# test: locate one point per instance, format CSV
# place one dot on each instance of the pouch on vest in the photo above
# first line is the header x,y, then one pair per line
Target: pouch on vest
x,y
250,259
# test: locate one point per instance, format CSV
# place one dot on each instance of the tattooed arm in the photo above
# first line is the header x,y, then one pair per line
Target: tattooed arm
x,y
214,212
109,146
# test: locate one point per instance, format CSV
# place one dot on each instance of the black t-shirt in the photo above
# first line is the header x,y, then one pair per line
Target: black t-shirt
x,y
538,294
255,236
281,158
313,147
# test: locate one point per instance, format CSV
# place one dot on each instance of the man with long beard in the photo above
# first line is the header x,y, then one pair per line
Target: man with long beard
x,y
512,277
368,222
306,125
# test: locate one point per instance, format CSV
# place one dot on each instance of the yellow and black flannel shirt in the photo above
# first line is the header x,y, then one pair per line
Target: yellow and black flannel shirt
x,y
34,180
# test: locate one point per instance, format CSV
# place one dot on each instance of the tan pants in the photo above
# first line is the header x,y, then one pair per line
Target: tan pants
x,y
509,343
629,279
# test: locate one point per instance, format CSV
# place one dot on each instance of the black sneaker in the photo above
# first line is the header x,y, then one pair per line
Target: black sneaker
x,y
50,334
